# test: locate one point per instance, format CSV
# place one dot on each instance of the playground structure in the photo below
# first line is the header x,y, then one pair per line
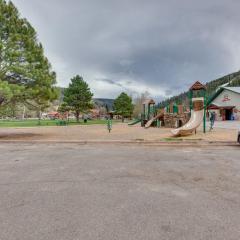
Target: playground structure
x,y
197,95
184,120
195,121
156,118
136,121
149,115
197,99
170,117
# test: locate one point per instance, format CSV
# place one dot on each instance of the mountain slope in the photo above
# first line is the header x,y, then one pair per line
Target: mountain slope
x,y
231,80
104,102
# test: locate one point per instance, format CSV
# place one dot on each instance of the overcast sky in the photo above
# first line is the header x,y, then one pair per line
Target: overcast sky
x,y
160,46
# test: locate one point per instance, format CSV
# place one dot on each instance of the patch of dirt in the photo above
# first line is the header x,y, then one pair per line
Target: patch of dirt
x,y
11,136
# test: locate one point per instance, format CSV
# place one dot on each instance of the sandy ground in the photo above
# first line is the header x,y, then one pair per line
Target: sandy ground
x,y
99,132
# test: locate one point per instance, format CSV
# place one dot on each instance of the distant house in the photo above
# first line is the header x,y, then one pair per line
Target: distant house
x,y
53,115
226,103
95,113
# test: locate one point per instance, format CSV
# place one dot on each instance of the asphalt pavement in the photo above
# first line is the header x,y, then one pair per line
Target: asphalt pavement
x,y
74,191
227,124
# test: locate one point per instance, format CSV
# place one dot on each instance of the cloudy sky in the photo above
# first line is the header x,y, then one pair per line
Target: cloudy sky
x,y
159,46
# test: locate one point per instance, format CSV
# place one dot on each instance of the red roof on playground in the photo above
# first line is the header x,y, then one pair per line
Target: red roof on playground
x,y
197,86
149,101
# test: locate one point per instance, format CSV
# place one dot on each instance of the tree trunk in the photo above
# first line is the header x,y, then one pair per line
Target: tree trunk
x,y
68,116
122,118
39,117
24,111
77,116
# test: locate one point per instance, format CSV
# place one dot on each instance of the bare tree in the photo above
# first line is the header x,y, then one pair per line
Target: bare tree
x,y
138,102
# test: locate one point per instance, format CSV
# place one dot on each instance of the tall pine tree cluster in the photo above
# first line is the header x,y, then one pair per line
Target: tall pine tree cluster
x,y
25,73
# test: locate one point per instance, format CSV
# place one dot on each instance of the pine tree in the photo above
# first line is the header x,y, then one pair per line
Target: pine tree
x,y
22,61
123,105
78,96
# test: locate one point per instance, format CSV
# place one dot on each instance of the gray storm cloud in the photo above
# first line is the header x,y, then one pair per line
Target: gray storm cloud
x,y
154,45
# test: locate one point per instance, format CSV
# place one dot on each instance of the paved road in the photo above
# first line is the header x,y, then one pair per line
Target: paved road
x,y
226,124
70,192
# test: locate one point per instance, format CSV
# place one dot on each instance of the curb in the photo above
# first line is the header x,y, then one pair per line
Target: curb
x,y
126,142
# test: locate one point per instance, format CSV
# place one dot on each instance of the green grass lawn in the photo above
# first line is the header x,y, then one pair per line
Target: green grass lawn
x,y
35,123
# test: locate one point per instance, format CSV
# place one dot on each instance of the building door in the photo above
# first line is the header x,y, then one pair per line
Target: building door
x,y
228,114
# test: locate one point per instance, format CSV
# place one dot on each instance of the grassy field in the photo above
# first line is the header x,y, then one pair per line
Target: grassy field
x,y
36,123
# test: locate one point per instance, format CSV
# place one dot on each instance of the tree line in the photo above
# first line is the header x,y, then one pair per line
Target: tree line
x,y
26,75
77,98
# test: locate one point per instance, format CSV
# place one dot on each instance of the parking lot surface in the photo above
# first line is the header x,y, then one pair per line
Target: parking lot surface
x,y
72,191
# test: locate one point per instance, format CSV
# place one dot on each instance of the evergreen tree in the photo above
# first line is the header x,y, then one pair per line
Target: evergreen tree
x,y
63,108
123,105
22,61
78,96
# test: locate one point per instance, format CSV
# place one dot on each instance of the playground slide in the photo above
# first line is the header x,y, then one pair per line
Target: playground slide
x,y
134,122
150,122
194,122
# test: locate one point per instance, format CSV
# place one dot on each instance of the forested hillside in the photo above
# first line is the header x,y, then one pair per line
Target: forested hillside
x,y
104,102
230,80
98,102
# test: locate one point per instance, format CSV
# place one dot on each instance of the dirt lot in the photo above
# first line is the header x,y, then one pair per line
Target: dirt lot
x,y
99,132
73,191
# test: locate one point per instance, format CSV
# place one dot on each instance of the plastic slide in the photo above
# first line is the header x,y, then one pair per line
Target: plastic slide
x,y
194,122
136,121
151,121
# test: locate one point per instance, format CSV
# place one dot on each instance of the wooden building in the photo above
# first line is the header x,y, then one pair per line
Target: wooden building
x,y
226,103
